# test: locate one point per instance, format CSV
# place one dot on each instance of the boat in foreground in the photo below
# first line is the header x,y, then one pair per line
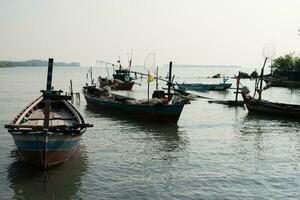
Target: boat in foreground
x,y
156,109
47,132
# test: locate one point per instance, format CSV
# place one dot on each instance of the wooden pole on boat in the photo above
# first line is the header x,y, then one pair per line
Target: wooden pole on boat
x,y
261,79
107,71
47,98
71,89
157,78
148,86
237,87
91,74
169,82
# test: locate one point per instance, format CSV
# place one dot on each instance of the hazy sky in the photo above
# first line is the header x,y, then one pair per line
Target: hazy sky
x,y
227,32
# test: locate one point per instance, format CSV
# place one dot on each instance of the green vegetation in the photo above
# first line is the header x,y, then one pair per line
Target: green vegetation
x,y
35,63
289,62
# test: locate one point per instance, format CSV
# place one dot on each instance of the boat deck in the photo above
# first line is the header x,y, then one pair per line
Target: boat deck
x,y
57,117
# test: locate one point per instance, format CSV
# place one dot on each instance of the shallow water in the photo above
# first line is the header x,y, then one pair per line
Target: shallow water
x,y
215,151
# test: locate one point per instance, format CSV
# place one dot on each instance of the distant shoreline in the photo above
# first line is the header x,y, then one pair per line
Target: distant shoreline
x,y
35,63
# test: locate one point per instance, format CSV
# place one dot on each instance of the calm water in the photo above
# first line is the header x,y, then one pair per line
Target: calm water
x,y
215,152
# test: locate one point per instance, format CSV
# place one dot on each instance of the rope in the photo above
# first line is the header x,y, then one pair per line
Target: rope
x,y
46,178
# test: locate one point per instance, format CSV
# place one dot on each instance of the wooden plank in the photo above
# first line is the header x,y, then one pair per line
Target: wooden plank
x,y
37,114
40,123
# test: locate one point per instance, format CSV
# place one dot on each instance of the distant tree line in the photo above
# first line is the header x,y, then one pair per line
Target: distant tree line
x,y
289,62
35,63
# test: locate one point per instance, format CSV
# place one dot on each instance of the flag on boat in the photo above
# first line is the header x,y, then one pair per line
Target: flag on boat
x,y
150,78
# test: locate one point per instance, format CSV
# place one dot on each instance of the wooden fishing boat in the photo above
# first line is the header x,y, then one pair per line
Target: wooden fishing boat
x,y
116,84
194,86
271,108
260,106
47,132
155,109
121,77
275,81
202,87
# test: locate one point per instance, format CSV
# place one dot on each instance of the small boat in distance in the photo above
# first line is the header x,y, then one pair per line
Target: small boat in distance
x,y
121,77
203,87
47,132
121,81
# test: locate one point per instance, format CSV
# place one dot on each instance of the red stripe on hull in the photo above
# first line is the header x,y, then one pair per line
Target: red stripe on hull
x,y
53,157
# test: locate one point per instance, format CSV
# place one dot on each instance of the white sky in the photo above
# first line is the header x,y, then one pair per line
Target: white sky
x,y
225,32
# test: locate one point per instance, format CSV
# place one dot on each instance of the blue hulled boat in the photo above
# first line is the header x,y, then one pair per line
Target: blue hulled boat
x,y
47,132
201,87
159,108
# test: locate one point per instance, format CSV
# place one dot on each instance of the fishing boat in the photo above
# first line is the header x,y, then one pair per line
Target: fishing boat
x,y
161,107
271,108
48,130
278,81
121,77
202,87
260,106
121,80
156,109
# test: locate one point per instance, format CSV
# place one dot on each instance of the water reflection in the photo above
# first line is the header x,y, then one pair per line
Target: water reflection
x,y
27,180
164,139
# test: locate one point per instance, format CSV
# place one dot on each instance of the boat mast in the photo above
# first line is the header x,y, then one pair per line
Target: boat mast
x,y
157,78
261,79
169,82
47,98
130,61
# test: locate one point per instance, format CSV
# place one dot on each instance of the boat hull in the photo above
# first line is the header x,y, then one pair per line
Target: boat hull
x,y
117,86
59,147
271,108
123,86
281,82
205,87
159,112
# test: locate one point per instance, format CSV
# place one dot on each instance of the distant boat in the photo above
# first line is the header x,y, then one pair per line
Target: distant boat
x,y
153,110
121,77
47,132
279,81
202,87
121,80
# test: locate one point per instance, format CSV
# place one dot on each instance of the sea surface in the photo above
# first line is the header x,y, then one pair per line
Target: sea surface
x,y
214,152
